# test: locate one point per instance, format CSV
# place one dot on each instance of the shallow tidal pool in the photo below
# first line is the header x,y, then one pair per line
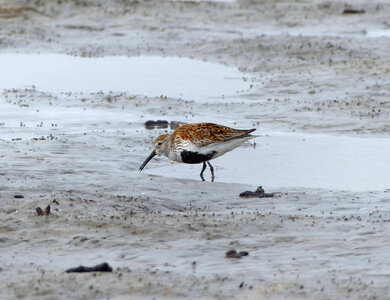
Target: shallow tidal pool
x,y
143,75
280,159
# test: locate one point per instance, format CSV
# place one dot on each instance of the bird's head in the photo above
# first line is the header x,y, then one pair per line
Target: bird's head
x,y
161,144
161,147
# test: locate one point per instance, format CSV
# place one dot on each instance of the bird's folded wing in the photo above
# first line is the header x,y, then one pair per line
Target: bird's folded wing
x,y
205,134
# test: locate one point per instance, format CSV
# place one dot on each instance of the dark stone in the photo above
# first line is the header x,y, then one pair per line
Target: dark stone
x,y
259,193
18,196
248,194
104,267
41,212
190,157
149,124
348,11
234,254
156,124
259,190
161,124
47,210
243,253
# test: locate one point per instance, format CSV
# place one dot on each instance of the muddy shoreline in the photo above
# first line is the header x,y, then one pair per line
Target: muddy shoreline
x,y
312,70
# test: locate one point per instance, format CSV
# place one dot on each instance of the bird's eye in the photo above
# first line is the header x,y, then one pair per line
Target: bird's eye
x,y
159,144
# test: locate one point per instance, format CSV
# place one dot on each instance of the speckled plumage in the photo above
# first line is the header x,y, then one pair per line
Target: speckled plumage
x,y
199,143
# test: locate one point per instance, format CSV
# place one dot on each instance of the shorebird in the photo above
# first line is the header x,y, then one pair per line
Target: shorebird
x,y
199,143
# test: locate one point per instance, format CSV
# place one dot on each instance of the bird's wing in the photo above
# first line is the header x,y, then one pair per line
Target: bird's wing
x,y
205,134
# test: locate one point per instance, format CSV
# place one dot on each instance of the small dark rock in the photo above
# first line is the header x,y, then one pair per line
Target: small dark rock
x,y
162,124
104,267
47,210
231,252
156,124
234,254
248,194
259,193
259,190
348,11
149,124
41,212
243,253
18,196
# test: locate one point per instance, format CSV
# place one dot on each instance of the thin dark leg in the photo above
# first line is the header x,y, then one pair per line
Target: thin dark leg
x,y
201,173
212,171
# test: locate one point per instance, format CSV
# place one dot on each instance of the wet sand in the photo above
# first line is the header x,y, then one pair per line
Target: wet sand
x,y
313,73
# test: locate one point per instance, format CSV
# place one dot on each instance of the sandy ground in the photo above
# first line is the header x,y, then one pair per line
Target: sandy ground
x,y
312,69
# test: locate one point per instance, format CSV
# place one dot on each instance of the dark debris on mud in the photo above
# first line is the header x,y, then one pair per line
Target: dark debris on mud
x,y
259,193
162,124
234,254
103,267
41,212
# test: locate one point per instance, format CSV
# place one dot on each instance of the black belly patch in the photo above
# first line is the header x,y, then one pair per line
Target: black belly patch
x,y
189,157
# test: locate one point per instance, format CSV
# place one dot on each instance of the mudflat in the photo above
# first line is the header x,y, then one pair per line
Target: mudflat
x,y
83,77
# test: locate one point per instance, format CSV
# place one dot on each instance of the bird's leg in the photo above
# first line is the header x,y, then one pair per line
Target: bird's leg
x,y
212,171
201,173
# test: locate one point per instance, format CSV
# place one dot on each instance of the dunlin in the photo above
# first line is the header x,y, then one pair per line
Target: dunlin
x,y
198,143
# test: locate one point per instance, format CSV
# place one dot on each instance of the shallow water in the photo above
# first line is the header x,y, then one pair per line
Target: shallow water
x,y
300,160
143,75
280,159
165,229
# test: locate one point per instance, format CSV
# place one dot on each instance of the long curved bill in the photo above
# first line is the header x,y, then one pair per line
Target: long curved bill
x,y
147,160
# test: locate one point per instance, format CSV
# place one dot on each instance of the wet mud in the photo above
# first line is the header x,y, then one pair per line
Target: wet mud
x,y
313,79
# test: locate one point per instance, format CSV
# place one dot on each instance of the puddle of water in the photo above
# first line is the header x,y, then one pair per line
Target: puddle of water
x,y
292,160
378,33
279,160
151,76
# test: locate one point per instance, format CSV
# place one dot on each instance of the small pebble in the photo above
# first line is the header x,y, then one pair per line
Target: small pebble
x,y
41,212
259,193
156,124
353,11
104,267
234,254
231,252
